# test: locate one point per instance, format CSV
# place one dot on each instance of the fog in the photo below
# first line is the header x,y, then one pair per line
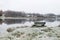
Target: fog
x,y
31,6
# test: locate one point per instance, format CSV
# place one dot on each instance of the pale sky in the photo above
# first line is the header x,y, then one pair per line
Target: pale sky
x,y
33,6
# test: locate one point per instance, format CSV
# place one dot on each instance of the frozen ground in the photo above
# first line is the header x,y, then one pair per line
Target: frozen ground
x,y
41,33
45,33
3,27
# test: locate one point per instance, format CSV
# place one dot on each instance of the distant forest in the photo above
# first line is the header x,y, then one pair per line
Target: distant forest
x,y
22,16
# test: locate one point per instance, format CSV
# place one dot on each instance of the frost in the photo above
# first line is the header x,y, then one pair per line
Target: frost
x,y
45,33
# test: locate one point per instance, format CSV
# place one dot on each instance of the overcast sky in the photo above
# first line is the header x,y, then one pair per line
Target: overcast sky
x,y
37,6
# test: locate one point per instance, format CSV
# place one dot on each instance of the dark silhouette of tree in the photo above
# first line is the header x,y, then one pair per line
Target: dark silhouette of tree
x,y
1,12
14,14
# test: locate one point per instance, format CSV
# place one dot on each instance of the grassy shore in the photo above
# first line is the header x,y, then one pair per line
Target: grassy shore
x,y
41,33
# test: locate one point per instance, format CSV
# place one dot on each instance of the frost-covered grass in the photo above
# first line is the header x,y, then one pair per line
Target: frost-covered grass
x,y
44,33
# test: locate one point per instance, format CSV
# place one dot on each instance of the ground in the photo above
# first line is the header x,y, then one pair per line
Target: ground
x,y
40,33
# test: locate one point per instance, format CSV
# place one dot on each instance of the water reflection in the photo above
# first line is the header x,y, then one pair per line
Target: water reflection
x,y
13,21
49,22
